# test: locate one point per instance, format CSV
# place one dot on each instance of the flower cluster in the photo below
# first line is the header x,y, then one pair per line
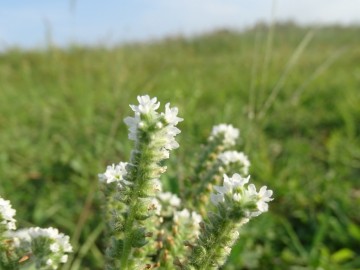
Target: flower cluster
x,y
162,126
235,204
234,189
177,232
188,220
227,133
7,213
114,173
230,157
148,228
217,158
48,246
209,165
170,203
169,198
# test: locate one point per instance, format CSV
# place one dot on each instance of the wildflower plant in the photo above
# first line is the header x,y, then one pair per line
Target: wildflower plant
x,y
44,249
137,185
148,227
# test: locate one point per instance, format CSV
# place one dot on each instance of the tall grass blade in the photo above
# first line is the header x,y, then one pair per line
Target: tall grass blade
x,y
291,63
320,69
268,52
252,96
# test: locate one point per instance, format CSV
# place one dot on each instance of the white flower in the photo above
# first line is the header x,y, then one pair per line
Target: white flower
x,y
251,190
169,198
165,132
231,183
264,197
229,157
157,186
229,133
54,247
146,105
58,244
133,123
189,220
115,173
155,206
183,214
7,214
168,134
217,198
49,262
170,115
59,241
64,258
237,197
196,218
234,189
19,237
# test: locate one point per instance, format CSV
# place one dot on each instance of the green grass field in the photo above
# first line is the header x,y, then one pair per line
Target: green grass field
x,y
293,92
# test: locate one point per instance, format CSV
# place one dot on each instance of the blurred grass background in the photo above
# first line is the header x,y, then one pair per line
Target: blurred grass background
x,y
294,92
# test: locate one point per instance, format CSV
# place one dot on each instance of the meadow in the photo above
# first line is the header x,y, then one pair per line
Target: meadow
x,y
294,93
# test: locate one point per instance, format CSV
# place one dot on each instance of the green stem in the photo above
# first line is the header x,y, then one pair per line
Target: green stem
x,y
213,243
127,239
215,247
141,168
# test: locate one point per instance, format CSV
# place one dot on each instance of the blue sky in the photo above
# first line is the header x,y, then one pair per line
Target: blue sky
x,y
24,23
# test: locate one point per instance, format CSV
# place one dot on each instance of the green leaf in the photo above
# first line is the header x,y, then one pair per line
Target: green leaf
x,y
354,231
342,255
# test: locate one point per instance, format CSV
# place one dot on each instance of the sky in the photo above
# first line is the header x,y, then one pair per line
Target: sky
x,y
33,23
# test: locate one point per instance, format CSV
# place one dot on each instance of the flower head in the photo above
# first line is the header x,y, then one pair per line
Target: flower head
x,y
58,240
49,246
235,193
115,173
7,214
169,198
228,133
146,118
146,105
231,183
229,157
189,220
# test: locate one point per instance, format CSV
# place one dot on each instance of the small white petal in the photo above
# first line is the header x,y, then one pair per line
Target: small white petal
x,y
237,197
217,198
64,258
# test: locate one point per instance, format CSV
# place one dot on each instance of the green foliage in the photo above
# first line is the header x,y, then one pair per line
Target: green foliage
x,y
61,117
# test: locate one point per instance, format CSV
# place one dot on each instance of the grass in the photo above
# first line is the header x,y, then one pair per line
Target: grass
x,y
61,122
